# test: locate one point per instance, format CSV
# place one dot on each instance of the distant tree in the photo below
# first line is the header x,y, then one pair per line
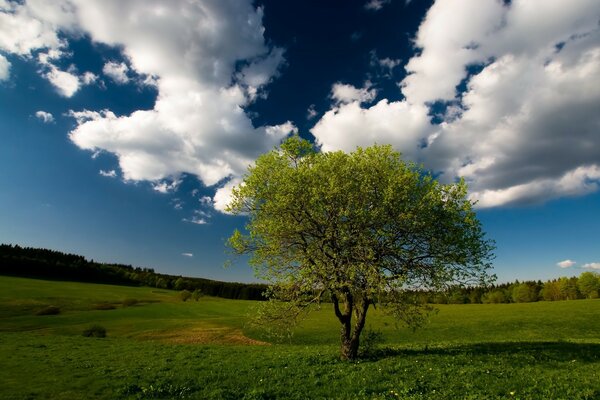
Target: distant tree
x,y
180,284
568,288
185,295
551,291
197,294
588,284
364,227
523,293
495,296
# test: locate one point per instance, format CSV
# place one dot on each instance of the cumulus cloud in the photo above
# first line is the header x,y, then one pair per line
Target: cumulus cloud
x,y
4,68
566,263
343,93
525,128
197,220
44,116
594,265
66,83
116,71
187,254
207,60
109,174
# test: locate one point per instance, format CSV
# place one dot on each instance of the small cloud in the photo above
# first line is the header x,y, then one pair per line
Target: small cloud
x,y
66,83
196,220
187,254
195,192
116,71
44,116
594,265
109,174
165,187
342,93
177,204
566,263
376,5
88,78
206,201
311,112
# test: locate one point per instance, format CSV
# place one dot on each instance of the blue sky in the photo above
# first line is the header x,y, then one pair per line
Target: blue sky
x,y
125,124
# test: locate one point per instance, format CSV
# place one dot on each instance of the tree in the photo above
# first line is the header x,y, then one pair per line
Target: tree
x,y
185,295
523,293
589,284
360,228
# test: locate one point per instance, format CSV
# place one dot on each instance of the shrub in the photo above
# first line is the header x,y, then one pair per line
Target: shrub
x,y
185,295
103,306
95,331
197,294
48,310
130,302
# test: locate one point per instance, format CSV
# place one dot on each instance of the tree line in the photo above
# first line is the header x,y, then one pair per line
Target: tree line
x,y
586,286
50,264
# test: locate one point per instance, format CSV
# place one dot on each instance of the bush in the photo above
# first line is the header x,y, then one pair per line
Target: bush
x,y
185,295
49,310
130,302
197,294
103,306
95,331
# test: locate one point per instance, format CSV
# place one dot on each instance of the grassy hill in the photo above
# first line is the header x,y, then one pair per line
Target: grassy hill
x,y
160,347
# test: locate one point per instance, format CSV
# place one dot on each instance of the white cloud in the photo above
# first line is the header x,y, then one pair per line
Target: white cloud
x,y
4,68
376,5
207,60
594,265
89,78
44,116
525,129
66,83
311,112
166,187
206,200
343,93
116,71
109,174
196,220
348,126
566,263
187,254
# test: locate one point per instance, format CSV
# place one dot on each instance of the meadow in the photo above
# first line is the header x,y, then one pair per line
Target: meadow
x,y
160,347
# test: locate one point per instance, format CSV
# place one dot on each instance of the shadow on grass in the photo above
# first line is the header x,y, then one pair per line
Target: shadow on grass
x,y
542,351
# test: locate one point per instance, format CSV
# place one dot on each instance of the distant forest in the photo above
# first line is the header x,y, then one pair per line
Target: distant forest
x,y
49,264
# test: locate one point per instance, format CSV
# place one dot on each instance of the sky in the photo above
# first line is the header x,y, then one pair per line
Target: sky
x,y
124,125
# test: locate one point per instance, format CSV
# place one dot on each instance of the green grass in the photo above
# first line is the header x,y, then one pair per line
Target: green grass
x,y
165,348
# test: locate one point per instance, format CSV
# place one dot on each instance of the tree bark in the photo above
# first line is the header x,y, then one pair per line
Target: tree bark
x,y
350,338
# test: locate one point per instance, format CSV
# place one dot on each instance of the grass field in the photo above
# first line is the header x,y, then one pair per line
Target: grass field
x,y
160,347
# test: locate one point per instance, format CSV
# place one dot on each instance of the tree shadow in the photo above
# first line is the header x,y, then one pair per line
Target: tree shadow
x,y
541,351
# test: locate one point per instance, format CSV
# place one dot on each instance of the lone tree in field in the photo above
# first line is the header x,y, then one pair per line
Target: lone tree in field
x,y
362,229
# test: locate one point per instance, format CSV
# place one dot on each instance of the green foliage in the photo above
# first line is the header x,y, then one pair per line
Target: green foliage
x,y
48,310
197,294
185,295
523,293
589,284
495,297
95,331
362,227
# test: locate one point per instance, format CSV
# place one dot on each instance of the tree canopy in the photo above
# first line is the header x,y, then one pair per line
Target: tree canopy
x,y
361,228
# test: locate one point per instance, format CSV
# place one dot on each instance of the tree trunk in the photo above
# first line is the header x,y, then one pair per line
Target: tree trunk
x,y
350,338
